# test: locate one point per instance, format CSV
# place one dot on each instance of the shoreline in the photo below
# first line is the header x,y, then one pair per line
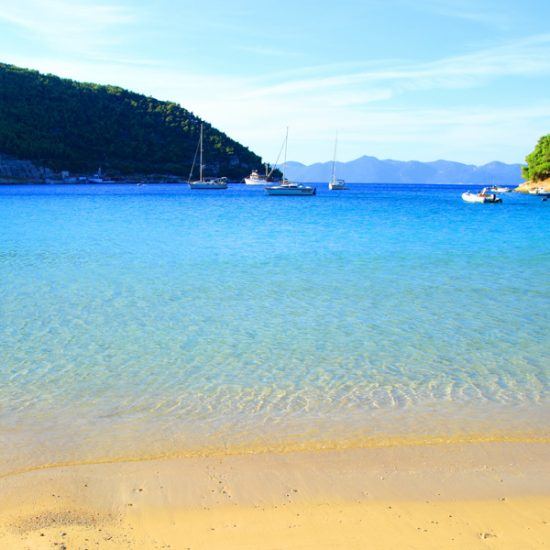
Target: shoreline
x,y
297,447
168,181
528,186
439,495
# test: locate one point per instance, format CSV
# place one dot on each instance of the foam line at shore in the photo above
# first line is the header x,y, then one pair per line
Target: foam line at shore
x,y
297,447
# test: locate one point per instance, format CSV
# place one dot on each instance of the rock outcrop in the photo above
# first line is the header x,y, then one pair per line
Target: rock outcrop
x,y
529,185
14,170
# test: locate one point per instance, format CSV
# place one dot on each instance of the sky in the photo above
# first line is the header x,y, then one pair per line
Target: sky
x,y
463,80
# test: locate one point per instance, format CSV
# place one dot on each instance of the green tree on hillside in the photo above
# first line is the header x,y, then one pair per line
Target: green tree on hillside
x,y
538,162
76,126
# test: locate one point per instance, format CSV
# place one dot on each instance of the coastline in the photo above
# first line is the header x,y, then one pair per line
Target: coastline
x,y
151,406
444,495
527,186
288,447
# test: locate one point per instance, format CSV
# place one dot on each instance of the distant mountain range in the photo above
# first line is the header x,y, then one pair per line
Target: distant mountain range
x,y
372,170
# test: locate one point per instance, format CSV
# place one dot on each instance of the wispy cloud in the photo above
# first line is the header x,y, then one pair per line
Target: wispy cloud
x,y
522,57
360,100
267,51
486,13
68,25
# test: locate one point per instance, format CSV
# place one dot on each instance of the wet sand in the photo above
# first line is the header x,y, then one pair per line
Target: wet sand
x,y
479,495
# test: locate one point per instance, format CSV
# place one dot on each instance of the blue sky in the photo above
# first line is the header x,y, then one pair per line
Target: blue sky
x,y
462,80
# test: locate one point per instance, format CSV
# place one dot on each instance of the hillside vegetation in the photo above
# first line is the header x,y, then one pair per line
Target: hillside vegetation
x,y
538,162
67,125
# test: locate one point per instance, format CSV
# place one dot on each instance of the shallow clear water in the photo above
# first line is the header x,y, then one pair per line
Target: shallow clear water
x,y
148,320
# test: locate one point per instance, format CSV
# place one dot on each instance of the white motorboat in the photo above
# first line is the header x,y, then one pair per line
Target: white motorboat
x,y
336,184
255,179
482,197
202,182
499,189
98,178
288,187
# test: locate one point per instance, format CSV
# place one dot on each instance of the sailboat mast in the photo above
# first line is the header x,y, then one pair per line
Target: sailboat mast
x,y
284,163
200,179
334,157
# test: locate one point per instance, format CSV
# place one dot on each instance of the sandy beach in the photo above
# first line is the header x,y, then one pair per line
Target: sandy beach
x,y
478,495
285,294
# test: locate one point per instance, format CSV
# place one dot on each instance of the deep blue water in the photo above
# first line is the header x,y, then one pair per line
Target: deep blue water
x,y
142,320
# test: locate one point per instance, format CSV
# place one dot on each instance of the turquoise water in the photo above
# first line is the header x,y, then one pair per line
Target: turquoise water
x,y
137,321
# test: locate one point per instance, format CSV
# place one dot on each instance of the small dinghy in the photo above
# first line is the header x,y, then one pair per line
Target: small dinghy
x,y
482,197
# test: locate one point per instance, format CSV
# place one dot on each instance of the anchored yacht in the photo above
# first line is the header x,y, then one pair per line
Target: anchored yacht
x,y
202,182
287,187
336,184
255,179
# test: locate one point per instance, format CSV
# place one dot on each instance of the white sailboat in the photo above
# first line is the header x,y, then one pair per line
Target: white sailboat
x,y
205,183
287,187
336,184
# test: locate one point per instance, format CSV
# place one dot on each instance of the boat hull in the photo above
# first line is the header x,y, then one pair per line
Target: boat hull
x,y
100,181
207,186
337,184
252,181
304,191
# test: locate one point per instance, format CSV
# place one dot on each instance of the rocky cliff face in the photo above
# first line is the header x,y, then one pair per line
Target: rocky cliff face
x,y
14,170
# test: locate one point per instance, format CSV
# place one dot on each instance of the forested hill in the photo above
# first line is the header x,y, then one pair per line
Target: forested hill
x,y
67,125
538,162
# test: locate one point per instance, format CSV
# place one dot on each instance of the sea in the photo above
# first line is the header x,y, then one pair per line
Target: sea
x,y
153,320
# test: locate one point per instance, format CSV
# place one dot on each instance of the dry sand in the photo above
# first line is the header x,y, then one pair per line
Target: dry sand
x,y
482,495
